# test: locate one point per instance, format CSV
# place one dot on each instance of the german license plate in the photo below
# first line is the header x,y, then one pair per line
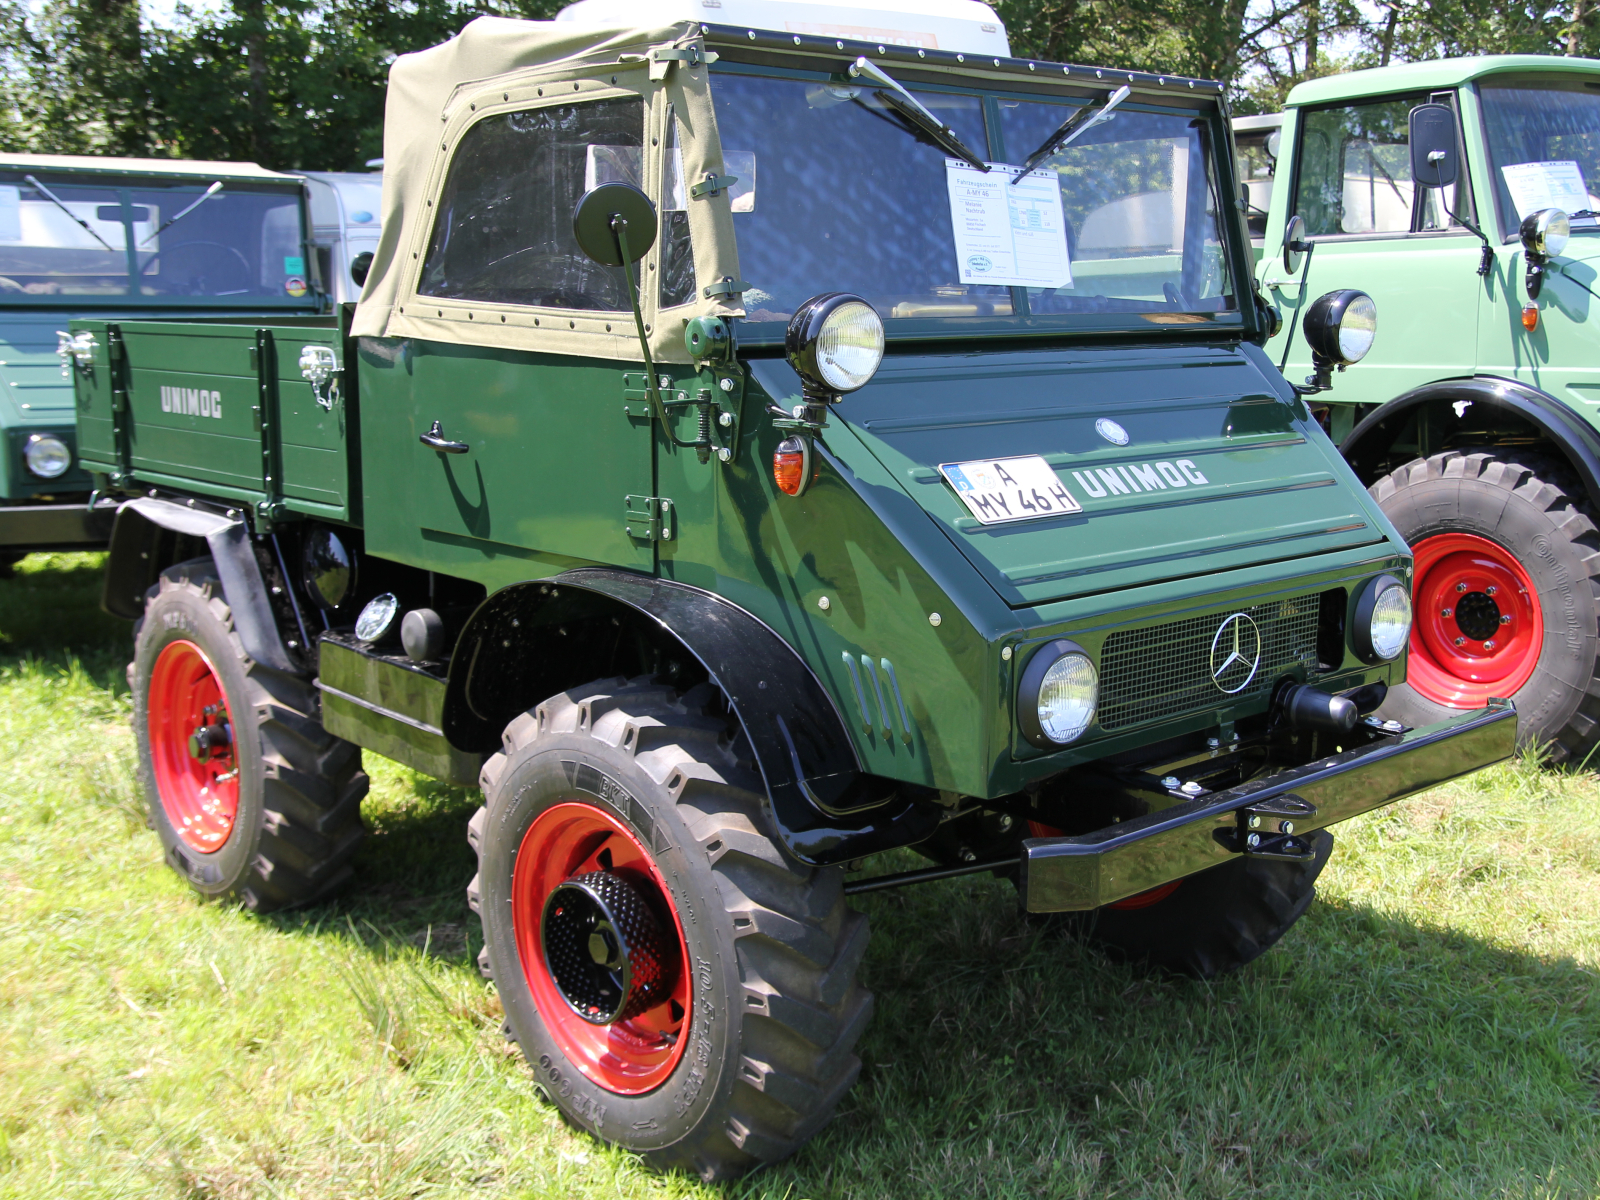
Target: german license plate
x,y
997,490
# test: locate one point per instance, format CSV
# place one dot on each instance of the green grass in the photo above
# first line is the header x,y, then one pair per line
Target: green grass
x,y
1431,1028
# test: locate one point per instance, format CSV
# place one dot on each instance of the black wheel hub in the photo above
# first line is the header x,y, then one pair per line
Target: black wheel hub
x,y
1477,616
604,948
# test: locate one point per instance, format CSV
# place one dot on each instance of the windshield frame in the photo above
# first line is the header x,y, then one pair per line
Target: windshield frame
x,y
185,188
1559,80
1238,323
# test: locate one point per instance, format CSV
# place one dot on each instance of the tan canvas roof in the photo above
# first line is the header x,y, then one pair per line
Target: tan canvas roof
x,y
143,166
496,64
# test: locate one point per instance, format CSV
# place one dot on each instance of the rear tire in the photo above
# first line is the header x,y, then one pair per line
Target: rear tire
x,y
281,830
1483,519
1211,923
628,780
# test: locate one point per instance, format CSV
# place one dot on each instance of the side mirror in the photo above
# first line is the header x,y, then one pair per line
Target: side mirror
x,y
1544,235
1435,159
1340,328
1294,244
615,224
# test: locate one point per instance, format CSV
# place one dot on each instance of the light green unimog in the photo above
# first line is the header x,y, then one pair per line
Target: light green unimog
x,y
753,452
123,237
1462,195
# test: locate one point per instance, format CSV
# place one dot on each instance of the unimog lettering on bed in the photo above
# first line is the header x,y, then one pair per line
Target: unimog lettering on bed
x,y
632,493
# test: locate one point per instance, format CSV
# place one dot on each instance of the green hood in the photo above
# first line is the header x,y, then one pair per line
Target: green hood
x,y
1218,472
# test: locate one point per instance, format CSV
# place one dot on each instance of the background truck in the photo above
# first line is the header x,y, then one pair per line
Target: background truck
x,y
756,450
345,208
1474,419
120,237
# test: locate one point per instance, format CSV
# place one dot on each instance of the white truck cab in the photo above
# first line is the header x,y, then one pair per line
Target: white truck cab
x,y
346,214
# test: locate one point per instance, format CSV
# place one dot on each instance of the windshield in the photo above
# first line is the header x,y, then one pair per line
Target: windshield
x,y
63,236
1544,148
839,192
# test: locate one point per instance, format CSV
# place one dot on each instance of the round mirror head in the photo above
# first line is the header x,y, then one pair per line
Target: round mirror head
x,y
329,568
603,212
1293,233
1545,233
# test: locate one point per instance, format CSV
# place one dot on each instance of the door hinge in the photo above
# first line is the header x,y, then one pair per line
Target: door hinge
x,y
650,518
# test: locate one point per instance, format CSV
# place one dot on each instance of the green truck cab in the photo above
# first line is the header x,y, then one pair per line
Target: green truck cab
x,y
753,452
1475,420
120,237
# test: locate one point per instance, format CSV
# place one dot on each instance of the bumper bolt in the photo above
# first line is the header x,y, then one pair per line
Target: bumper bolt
x,y
1255,822
1285,826
1253,840
1170,782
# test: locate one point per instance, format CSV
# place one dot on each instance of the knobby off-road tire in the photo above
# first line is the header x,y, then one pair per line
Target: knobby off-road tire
x,y
630,780
1213,922
1517,525
281,831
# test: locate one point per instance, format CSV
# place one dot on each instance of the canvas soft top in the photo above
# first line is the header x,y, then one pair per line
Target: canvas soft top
x,y
494,64
197,168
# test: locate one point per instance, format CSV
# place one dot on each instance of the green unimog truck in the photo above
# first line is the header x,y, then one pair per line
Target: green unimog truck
x,y
1462,196
754,452
120,237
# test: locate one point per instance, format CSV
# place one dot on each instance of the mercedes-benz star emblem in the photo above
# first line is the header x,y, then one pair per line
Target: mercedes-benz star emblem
x,y
1235,654
1111,431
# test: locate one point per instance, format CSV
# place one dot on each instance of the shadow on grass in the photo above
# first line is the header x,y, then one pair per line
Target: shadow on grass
x,y
50,612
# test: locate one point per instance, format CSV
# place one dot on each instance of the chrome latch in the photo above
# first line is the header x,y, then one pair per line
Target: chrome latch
x,y
74,349
1277,828
321,370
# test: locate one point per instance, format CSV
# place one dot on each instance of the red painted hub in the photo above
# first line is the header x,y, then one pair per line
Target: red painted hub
x,y
191,747
1140,900
573,839
1478,627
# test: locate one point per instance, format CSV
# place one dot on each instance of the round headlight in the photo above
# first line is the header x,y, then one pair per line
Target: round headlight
x,y
1545,233
1058,695
376,621
1382,620
47,456
1341,326
835,342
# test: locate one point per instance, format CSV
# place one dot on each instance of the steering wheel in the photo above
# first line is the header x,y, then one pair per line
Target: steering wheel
x,y
190,289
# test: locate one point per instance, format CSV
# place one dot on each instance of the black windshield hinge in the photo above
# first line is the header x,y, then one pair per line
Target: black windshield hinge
x,y
728,286
712,185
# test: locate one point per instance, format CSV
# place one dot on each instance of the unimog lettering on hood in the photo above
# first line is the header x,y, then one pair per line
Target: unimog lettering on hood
x,y
667,445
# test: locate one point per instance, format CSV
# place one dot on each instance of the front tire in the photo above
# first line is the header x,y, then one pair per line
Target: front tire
x,y
626,790
1506,597
252,799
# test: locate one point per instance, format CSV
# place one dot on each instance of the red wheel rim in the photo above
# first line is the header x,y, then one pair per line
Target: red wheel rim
x,y
571,839
1140,900
1478,628
199,794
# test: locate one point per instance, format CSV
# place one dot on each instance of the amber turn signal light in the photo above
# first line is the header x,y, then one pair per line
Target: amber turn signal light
x,y
789,463
1530,317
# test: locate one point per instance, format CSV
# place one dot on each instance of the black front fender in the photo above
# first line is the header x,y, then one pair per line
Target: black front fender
x,y
1575,438
525,643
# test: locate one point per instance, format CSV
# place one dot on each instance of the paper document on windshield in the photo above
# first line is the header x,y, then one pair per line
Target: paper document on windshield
x,y
1013,235
1536,185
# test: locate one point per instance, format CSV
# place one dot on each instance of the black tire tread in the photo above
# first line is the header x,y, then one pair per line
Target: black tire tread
x,y
312,783
798,942
1549,486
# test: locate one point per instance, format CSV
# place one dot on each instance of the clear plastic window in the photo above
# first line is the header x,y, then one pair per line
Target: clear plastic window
x,y
677,251
504,230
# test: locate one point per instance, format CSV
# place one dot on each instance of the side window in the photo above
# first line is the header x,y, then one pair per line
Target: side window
x,y
1355,172
504,230
677,254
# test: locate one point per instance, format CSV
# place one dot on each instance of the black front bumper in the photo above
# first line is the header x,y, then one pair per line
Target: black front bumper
x,y
1087,871
30,527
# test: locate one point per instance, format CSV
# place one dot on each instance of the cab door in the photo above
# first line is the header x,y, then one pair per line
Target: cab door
x,y
1374,230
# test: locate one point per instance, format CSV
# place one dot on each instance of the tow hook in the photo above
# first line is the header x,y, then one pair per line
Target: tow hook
x,y
1272,828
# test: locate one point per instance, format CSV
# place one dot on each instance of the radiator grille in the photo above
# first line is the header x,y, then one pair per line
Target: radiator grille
x,y
1165,670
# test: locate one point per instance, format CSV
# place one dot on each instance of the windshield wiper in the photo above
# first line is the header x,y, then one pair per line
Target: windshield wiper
x,y
1071,129
909,107
209,192
56,200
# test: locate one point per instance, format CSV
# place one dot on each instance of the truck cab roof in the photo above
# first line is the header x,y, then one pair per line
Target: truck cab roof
x,y
1443,73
